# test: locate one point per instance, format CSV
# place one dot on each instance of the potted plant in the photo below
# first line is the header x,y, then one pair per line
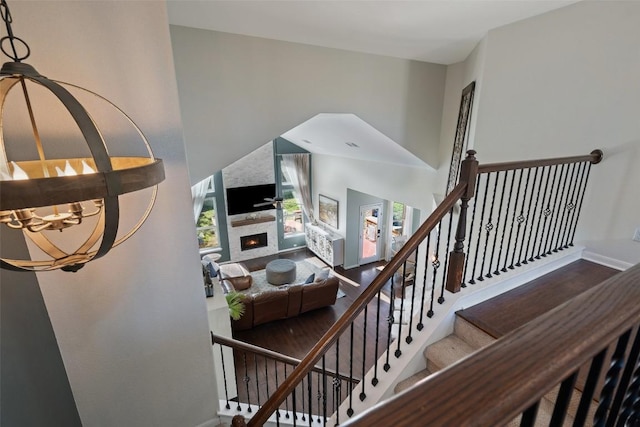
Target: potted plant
x,y
236,306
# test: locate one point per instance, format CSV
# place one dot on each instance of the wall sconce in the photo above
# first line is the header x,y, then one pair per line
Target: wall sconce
x,y
75,198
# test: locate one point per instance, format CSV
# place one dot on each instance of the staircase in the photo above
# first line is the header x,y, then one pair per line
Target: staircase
x,y
465,340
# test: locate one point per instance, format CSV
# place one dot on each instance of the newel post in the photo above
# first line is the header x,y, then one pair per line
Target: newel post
x,y
468,175
238,421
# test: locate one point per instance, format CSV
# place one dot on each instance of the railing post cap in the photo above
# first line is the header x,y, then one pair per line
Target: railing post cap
x,y
471,153
597,156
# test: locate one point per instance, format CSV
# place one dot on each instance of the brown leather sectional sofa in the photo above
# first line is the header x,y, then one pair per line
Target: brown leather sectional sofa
x,y
283,301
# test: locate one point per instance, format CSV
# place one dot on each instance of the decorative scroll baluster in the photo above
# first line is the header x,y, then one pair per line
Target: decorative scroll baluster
x,y
319,398
336,383
324,390
572,206
386,365
520,219
553,228
497,227
564,207
246,380
530,215
545,211
548,213
489,227
626,388
553,216
506,215
611,380
435,263
484,205
531,257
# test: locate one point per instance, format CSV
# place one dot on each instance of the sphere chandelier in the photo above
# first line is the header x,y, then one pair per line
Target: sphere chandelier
x,y
67,206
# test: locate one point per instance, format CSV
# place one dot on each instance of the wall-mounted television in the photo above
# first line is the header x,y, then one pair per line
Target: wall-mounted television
x,y
242,199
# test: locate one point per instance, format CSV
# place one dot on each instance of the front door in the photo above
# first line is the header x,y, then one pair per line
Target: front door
x,y
370,233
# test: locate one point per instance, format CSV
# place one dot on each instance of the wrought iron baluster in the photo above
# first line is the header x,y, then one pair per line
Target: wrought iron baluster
x,y
374,380
224,378
513,219
586,181
266,375
246,380
238,407
572,206
484,204
530,215
531,258
336,383
304,414
319,376
424,283
563,399
498,223
552,215
275,366
506,219
589,389
435,263
611,380
255,360
546,212
413,296
286,400
350,410
446,256
363,395
489,227
324,390
564,207
470,233
398,352
386,365
294,410
310,400
626,388
529,416
560,194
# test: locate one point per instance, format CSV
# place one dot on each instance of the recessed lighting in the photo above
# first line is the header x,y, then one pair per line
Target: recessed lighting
x,y
307,141
352,144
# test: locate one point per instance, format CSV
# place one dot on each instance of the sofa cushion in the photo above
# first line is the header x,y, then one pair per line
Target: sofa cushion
x,y
269,306
237,275
319,294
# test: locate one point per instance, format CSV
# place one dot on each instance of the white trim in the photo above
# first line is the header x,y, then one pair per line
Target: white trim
x,y
605,260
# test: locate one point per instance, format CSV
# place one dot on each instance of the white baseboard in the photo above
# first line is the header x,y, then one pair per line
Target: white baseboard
x,y
605,260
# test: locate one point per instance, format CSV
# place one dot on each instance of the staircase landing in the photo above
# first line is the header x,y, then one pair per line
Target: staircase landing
x,y
504,313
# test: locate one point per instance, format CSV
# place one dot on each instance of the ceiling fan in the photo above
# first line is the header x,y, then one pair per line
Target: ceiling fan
x,y
275,201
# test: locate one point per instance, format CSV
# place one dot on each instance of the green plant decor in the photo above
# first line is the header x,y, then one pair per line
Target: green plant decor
x,y
236,306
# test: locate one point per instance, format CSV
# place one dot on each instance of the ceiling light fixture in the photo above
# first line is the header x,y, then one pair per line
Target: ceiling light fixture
x,y
74,190
352,144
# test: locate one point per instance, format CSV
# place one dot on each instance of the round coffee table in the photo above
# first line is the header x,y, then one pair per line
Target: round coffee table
x,y
281,272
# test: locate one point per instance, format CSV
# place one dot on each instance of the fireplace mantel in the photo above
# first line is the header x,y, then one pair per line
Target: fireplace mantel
x,y
249,221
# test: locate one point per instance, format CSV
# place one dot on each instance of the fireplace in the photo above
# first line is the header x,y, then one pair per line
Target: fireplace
x,y
253,241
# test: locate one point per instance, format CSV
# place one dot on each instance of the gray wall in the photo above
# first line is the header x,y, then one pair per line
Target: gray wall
x,y
131,327
238,92
565,83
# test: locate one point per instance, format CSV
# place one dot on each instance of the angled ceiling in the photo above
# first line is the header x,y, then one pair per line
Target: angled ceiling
x,y
438,31
347,135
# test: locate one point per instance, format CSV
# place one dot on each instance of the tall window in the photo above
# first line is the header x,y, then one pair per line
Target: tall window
x,y
292,216
207,222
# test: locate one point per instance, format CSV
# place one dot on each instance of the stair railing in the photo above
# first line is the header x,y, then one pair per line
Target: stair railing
x,y
254,369
444,264
591,343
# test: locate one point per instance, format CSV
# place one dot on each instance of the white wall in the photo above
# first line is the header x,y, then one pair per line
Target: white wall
x,y
132,326
332,176
565,83
237,92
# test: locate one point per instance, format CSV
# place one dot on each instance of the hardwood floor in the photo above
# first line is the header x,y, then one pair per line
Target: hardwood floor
x,y
513,309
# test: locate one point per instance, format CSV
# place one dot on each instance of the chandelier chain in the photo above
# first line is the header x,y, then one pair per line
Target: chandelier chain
x,y
8,19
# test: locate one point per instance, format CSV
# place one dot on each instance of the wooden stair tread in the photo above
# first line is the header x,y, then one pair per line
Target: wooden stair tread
x,y
445,352
409,382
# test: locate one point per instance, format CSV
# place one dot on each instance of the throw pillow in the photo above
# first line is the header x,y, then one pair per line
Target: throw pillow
x,y
323,274
310,279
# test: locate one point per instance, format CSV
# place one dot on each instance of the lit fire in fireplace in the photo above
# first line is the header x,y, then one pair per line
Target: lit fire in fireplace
x,y
253,241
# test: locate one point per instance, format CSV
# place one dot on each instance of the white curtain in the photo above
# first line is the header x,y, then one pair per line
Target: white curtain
x,y
297,166
198,194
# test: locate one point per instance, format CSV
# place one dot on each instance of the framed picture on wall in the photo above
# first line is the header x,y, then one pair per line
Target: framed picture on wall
x,y
328,211
461,138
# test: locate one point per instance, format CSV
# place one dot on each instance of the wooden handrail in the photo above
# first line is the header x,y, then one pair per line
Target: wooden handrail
x,y
330,337
515,371
594,157
243,346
